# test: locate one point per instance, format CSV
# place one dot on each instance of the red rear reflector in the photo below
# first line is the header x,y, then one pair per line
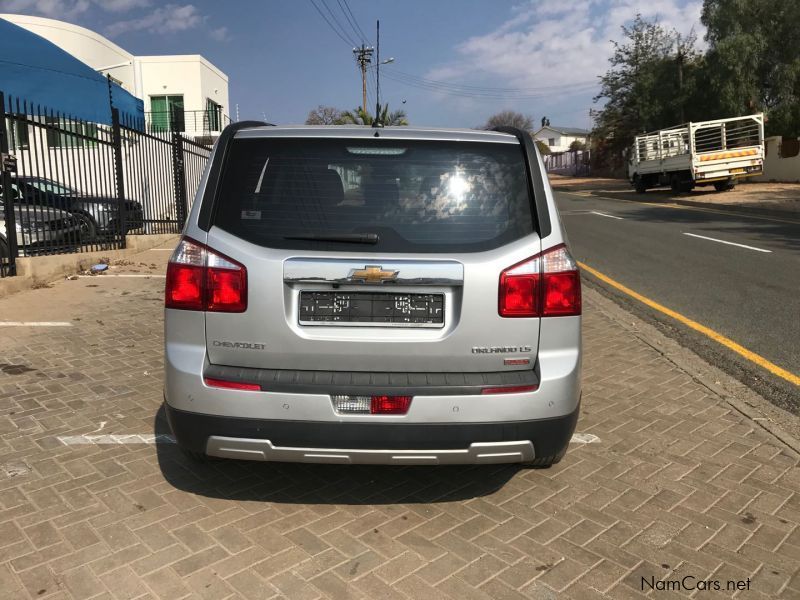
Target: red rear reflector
x,y
510,362
389,405
231,385
516,389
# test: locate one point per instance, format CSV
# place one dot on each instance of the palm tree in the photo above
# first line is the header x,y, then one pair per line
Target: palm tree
x,y
359,116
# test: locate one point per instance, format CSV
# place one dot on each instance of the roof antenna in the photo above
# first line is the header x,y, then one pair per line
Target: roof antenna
x,y
376,122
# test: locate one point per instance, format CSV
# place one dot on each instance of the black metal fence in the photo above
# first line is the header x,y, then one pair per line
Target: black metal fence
x,y
69,185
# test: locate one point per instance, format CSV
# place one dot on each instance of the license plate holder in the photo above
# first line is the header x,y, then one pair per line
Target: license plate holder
x,y
371,309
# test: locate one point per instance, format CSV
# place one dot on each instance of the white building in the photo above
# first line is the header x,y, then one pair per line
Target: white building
x,y
560,138
185,91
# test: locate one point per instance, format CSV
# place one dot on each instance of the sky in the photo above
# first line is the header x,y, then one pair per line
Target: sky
x,y
456,62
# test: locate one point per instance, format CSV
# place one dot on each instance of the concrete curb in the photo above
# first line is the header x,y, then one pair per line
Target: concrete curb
x,y
737,395
37,270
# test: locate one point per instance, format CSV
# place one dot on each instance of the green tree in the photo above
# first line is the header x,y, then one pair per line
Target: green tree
x,y
754,60
509,118
359,116
652,83
577,146
543,148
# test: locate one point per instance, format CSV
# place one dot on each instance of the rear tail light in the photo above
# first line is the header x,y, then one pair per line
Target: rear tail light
x,y
199,278
546,285
371,405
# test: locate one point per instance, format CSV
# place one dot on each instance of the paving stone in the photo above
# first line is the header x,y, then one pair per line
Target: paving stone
x,y
679,483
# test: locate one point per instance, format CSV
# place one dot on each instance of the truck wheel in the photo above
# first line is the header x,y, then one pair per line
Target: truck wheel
x,y
679,185
724,186
639,184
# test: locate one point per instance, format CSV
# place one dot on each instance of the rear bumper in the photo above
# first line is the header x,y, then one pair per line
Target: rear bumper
x,y
371,443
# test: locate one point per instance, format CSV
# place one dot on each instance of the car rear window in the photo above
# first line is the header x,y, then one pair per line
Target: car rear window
x,y
394,195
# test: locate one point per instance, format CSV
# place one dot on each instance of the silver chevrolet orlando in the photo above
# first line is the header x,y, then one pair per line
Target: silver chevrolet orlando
x,y
373,295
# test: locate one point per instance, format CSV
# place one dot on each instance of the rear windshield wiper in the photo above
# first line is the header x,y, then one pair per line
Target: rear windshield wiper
x,y
352,238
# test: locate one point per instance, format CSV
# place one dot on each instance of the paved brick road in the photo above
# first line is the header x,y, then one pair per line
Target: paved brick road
x,y
679,484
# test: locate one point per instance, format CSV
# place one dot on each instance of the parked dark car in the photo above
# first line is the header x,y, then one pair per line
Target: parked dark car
x,y
98,216
39,228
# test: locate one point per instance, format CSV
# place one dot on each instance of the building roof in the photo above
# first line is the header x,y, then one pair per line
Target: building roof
x,y
565,130
35,70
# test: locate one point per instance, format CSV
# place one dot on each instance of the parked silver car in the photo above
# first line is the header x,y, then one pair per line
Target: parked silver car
x,y
373,295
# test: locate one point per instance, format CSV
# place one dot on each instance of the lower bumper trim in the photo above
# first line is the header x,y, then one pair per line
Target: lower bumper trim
x,y
264,450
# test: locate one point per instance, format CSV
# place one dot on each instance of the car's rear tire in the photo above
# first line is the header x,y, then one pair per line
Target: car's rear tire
x,y
639,184
87,229
545,462
193,455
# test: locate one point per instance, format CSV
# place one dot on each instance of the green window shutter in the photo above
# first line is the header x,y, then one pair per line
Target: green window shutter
x,y
159,113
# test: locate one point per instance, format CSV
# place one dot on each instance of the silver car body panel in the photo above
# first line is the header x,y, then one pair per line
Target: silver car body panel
x,y
275,278
345,271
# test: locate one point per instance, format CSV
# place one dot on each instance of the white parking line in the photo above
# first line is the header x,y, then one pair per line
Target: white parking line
x,y
724,242
35,324
162,249
162,438
132,438
584,438
602,214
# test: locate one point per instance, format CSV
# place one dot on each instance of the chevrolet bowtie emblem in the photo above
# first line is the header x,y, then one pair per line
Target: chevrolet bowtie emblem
x,y
372,274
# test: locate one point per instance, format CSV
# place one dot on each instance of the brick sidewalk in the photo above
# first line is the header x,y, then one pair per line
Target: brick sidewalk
x,y
679,484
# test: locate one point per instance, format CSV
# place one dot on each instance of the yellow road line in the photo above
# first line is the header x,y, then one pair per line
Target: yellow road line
x,y
685,207
717,337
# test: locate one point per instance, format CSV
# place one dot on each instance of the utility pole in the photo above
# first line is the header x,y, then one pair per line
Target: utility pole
x,y
378,75
681,57
363,58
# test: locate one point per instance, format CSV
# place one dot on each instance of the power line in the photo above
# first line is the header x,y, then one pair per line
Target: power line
x,y
341,27
576,89
484,90
351,18
341,37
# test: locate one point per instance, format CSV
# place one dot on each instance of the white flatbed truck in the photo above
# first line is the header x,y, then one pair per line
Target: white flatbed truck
x,y
714,153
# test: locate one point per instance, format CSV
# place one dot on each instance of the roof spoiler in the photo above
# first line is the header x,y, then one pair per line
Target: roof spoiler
x,y
221,152
535,176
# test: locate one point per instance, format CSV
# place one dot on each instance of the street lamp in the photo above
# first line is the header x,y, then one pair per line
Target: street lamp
x,y
383,62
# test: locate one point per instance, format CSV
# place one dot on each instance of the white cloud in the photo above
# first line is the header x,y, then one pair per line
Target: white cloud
x,y
67,9
561,43
55,9
169,18
122,5
220,34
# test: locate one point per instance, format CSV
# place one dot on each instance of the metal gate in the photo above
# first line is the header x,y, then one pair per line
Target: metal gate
x,y
70,185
